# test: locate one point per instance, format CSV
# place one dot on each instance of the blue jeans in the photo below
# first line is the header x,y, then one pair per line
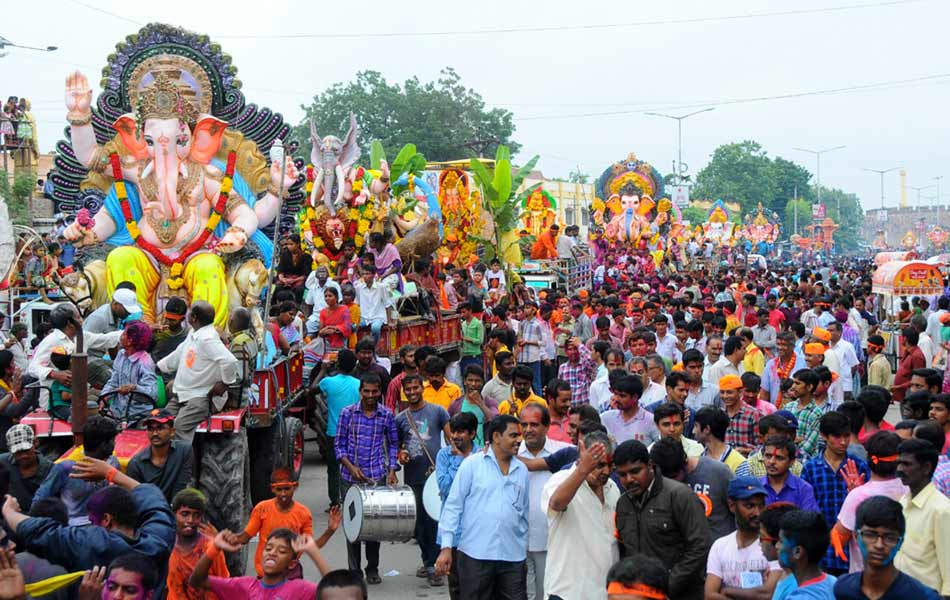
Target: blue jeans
x,y
375,327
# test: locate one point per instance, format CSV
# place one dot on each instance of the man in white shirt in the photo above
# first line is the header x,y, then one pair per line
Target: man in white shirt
x,y
933,320
847,359
535,420
373,300
713,352
15,342
730,363
66,323
665,341
317,283
565,247
924,342
579,503
203,367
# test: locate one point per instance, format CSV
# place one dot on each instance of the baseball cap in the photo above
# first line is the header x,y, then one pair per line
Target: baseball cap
x,y
126,298
789,418
744,487
19,438
159,415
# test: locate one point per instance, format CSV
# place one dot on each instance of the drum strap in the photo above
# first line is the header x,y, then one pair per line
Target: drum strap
x,y
412,423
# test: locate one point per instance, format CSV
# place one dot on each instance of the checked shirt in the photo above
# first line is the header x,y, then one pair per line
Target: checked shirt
x,y
743,428
830,492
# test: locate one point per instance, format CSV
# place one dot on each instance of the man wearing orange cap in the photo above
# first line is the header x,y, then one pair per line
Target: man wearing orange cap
x,y
830,360
743,419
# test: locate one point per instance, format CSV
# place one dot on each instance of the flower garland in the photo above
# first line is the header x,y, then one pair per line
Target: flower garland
x,y
176,265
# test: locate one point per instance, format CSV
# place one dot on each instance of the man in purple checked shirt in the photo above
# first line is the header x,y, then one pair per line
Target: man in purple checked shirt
x,y
367,443
780,484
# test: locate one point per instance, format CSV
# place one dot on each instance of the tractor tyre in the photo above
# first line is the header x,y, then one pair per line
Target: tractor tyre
x,y
225,480
290,446
261,442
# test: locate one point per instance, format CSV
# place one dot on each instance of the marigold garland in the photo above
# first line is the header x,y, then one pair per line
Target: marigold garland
x,y
176,265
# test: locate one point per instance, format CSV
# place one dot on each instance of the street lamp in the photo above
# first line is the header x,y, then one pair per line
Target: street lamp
x,y
937,179
918,190
881,173
4,43
818,154
679,135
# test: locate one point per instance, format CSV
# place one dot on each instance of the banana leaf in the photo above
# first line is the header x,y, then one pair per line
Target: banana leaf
x,y
502,181
376,154
484,179
401,163
523,172
416,164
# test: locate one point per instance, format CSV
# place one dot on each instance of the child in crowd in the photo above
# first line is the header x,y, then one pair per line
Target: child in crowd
x,y
279,559
60,394
342,584
193,539
282,512
133,381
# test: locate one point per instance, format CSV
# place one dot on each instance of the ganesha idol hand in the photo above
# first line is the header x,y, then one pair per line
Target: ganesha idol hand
x,y
233,240
290,174
80,236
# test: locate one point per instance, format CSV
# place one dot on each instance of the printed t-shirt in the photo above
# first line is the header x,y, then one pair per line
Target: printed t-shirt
x,y
728,562
430,421
266,517
710,481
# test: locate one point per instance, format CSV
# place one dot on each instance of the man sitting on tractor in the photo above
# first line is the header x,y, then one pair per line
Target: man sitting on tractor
x,y
204,368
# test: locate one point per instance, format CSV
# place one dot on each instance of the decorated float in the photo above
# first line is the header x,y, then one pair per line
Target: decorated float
x,y
759,234
719,229
909,241
939,238
631,210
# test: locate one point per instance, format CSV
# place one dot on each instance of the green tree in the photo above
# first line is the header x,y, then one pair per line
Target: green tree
x,y
791,181
849,219
16,195
803,217
695,215
738,172
576,176
443,118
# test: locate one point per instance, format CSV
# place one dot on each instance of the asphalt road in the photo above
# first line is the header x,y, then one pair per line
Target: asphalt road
x,y
401,560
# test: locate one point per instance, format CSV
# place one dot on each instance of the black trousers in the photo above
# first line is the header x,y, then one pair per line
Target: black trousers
x,y
354,551
492,579
426,530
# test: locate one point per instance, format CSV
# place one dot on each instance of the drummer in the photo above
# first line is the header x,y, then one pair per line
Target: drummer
x,y
420,436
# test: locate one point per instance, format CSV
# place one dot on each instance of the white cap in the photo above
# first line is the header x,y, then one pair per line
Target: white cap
x,y
126,298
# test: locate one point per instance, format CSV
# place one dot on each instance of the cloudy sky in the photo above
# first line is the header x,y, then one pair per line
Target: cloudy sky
x,y
579,76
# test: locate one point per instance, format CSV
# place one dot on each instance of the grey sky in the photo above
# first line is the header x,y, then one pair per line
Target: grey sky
x,y
543,76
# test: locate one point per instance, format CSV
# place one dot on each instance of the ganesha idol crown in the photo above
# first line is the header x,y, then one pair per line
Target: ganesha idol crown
x,y
165,99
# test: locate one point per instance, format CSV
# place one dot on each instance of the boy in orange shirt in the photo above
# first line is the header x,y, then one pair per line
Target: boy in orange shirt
x,y
282,512
193,539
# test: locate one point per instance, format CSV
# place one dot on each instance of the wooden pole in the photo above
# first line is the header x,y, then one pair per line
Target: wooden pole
x,y
79,365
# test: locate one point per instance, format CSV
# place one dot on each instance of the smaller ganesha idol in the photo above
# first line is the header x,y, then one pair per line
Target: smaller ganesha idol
x,y
462,218
760,233
718,228
539,211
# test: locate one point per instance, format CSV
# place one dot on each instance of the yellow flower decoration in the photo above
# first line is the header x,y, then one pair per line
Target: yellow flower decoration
x,y
175,283
226,183
358,239
363,227
213,221
120,189
176,269
318,242
133,228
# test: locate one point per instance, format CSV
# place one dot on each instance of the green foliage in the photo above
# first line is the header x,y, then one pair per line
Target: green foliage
x,y
445,119
575,176
695,215
17,196
742,172
789,218
739,172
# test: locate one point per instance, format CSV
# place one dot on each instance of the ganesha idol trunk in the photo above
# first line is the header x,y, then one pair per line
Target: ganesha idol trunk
x,y
421,242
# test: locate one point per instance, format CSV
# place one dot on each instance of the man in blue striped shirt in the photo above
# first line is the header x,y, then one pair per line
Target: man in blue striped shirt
x,y
489,497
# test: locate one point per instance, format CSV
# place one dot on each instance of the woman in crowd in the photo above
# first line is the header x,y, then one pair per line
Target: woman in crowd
x,y
293,268
133,381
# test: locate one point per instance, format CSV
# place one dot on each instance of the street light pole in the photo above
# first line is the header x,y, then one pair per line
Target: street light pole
x,y
937,179
679,137
5,43
818,154
918,190
881,173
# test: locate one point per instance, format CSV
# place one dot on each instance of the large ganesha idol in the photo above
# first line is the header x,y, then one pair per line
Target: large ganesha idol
x,y
760,234
183,183
718,229
630,215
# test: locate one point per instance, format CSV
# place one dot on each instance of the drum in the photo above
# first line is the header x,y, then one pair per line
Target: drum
x,y
431,499
376,513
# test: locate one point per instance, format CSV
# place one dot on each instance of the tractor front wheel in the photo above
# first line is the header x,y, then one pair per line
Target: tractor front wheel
x,y
224,478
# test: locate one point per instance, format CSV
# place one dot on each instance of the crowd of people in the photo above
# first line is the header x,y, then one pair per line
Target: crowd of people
x,y
668,432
